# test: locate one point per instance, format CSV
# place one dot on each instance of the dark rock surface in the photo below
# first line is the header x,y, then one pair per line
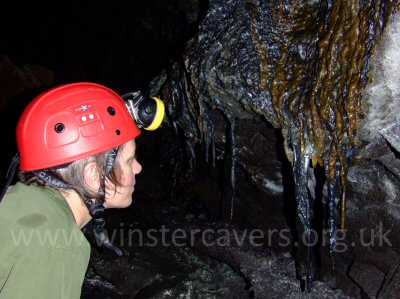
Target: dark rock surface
x,y
246,64
211,260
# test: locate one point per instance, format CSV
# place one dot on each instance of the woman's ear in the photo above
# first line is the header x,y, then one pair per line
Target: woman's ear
x,y
91,176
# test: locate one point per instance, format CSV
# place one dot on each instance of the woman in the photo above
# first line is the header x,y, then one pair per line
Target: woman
x,y
77,157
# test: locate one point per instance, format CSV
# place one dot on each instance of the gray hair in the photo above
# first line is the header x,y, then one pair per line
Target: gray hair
x,y
73,175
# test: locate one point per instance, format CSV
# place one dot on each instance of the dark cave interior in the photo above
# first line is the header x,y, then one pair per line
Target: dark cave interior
x,y
121,45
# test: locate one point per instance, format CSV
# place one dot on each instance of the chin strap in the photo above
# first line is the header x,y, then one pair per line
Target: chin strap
x,y
96,208
10,175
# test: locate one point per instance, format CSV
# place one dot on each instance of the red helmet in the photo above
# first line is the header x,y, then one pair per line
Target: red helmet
x,y
72,122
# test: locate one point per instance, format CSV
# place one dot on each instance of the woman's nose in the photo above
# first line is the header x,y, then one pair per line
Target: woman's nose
x,y
137,167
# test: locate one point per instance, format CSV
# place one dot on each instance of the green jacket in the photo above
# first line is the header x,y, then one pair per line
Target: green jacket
x,y
43,253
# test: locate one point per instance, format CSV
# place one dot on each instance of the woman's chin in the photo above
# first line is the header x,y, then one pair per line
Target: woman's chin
x,y
128,203
120,205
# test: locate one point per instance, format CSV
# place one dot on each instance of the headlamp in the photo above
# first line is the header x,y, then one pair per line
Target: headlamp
x,y
147,112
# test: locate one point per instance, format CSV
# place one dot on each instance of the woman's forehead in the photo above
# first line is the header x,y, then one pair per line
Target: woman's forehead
x,y
129,148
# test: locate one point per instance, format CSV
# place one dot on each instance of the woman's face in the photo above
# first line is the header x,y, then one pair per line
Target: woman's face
x,y
130,167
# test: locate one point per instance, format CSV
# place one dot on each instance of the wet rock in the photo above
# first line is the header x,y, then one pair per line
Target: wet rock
x,y
95,286
211,280
372,237
368,278
162,272
268,275
126,275
391,287
380,131
223,262
381,105
304,70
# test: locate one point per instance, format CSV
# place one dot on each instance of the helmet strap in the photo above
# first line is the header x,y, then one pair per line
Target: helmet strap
x,y
96,208
48,177
10,175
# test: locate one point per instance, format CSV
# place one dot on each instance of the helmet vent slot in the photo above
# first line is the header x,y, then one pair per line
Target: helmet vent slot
x,y
111,110
59,127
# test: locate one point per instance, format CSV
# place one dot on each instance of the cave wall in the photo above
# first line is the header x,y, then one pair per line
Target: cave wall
x,y
314,80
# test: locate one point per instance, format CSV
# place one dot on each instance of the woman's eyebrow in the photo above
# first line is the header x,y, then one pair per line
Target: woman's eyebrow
x,y
132,156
